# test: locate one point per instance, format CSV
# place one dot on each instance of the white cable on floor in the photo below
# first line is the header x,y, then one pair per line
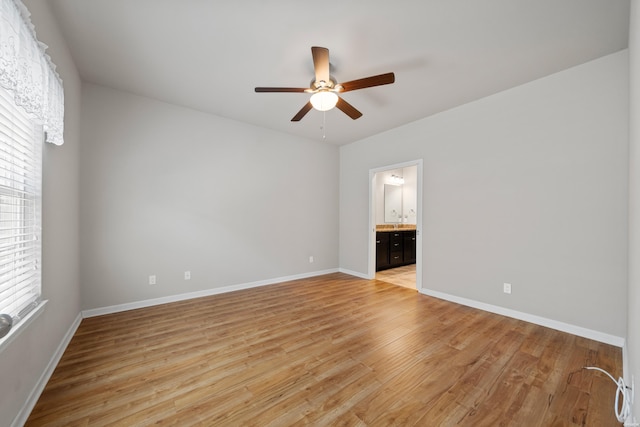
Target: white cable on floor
x,y
622,412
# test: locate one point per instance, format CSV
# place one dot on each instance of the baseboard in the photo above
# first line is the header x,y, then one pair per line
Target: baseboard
x,y
542,321
198,294
353,273
30,403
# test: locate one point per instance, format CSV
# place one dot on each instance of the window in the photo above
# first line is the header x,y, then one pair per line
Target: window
x,y
31,106
21,141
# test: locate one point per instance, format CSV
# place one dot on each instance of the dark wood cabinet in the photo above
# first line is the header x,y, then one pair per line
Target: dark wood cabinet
x,y
409,252
382,251
395,248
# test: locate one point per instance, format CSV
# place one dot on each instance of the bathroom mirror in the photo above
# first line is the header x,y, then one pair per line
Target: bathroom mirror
x,y
392,203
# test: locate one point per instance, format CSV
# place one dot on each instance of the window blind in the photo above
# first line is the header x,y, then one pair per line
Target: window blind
x,y
20,209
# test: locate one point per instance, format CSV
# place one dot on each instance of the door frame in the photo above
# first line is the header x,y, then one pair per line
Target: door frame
x,y
372,218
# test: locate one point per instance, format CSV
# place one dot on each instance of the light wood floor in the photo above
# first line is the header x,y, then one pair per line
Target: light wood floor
x,y
404,276
330,350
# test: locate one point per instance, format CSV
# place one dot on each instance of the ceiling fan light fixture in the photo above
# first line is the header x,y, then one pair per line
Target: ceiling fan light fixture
x,y
324,100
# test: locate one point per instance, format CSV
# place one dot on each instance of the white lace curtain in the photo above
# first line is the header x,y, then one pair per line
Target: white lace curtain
x,y
27,71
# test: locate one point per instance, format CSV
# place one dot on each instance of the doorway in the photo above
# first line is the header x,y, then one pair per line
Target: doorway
x,y
395,214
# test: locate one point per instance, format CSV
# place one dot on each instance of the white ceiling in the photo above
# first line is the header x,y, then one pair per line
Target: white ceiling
x,y
209,55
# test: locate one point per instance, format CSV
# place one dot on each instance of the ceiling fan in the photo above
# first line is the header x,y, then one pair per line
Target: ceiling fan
x,y
325,89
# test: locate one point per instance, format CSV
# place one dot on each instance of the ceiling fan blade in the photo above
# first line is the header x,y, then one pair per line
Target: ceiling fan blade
x,y
280,89
379,80
303,111
348,109
321,63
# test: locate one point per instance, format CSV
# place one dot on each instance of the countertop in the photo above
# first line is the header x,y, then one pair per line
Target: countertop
x,y
392,227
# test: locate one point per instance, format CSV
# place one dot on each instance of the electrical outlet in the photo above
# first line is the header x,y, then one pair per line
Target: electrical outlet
x,y
187,275
506,288
311,259
152,279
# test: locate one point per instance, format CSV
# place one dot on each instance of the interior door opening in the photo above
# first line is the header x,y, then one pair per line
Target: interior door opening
x,y
395,219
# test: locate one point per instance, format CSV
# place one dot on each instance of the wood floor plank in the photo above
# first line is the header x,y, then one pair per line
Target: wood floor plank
x,y
329,350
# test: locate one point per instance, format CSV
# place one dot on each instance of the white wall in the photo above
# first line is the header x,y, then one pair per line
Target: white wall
x,y
24,361
528,186
165,189
633,322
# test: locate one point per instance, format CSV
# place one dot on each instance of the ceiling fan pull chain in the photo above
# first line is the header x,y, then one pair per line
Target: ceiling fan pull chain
x,y
324,125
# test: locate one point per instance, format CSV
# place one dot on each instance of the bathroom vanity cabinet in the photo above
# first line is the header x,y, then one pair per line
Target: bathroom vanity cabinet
x,y
395,248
